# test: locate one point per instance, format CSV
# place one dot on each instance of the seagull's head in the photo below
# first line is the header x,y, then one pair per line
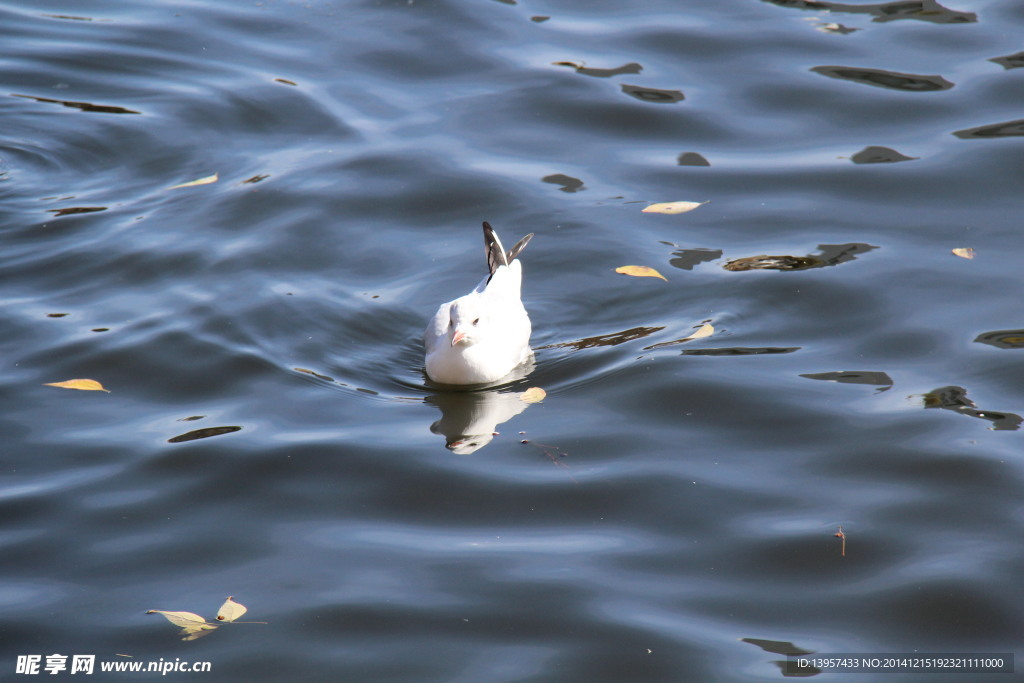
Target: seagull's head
x,y
467,317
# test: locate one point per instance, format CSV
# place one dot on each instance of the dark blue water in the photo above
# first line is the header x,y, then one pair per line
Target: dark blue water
x,y
668,512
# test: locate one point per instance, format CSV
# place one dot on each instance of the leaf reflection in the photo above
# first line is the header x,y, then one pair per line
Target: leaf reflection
x,y
923,10
631,68
612,339
202,434
829,255
955,398
1002,339
84,106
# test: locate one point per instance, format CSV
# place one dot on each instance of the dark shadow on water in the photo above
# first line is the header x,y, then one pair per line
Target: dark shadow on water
x,y
879,155
84,106
203,434
880,78
655,95
631,68
692,159
741,351
789,668
879,379
687,259
568,183
1014,61
993,130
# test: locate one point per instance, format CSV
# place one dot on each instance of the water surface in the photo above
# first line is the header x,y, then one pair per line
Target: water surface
x,y
668,512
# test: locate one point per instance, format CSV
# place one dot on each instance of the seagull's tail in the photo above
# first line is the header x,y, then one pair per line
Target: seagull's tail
x,y
496,254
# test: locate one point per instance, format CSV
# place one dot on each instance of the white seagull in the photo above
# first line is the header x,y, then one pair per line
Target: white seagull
x,y
482,336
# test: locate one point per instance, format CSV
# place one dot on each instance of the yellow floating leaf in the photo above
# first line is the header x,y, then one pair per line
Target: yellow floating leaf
x,y
673,207
192,625
83,384
533,395
705,330
640,271
964,252
183,619
208,180
231,610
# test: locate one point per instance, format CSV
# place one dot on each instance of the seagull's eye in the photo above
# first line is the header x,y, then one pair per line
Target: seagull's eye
x,y
476,321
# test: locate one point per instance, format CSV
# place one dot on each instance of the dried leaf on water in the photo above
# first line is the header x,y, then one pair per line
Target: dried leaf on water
x,y
640,271
192,625
964,252
705,330
533,395
207,180
672,207
83,384
183,619
231,610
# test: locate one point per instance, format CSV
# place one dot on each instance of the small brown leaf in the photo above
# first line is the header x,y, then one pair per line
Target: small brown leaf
x,y
672,207
533,395
640,271
964,252
83,384
207,180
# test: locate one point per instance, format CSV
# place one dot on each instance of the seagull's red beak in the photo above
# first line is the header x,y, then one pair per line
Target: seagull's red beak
x,y
458,336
